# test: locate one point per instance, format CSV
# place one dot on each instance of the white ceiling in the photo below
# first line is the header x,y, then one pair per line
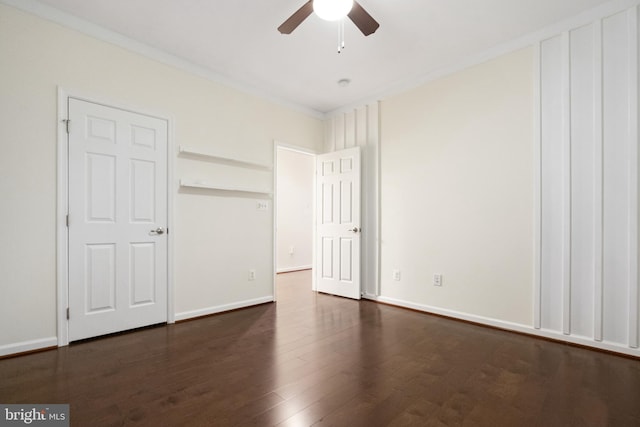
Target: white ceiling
x,y
238,41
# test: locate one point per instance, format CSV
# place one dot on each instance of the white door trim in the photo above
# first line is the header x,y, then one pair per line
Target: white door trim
x,y
62,238
303,150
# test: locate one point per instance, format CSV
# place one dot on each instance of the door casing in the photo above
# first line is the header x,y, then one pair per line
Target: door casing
x,y
276,145
62,241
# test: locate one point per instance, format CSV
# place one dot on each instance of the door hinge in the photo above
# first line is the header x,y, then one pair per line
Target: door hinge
x,y
66,123
67,313
67,221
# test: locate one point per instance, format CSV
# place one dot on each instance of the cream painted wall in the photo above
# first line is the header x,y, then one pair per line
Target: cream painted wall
x,y
295,182
457,192
217,238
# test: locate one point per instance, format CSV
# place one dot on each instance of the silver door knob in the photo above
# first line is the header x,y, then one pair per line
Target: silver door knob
x,y
158,230
354,229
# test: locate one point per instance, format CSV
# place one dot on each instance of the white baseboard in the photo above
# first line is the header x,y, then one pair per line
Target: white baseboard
x,y
510,326
24,346
38,344
290,269
222,308
457,315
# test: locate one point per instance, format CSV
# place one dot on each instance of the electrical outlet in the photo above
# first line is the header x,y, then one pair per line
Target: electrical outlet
x,y
252,275
292,249
396,274
437,280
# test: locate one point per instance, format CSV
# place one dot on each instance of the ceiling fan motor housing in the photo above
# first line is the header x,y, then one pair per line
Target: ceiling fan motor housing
x,y
332,10
336,10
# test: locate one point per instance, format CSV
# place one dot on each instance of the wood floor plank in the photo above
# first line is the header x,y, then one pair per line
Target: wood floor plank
x,y
314,359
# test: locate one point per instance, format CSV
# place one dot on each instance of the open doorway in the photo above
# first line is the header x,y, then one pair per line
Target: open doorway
x,y
294,209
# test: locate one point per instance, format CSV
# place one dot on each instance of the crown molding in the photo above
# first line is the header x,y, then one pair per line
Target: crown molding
x,y
67,20
530,39
80,25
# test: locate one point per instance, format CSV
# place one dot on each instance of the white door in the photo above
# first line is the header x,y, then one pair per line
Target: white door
x,y
338,219
117,220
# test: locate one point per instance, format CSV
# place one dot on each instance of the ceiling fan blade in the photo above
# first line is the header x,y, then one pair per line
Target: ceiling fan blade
x,y
363,20
296,19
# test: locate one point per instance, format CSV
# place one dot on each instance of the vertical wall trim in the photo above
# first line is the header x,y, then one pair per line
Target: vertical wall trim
x,y
566,183
340,133
378,133
633,176
330,135
598,180
351,129
537,190
369,186
345,117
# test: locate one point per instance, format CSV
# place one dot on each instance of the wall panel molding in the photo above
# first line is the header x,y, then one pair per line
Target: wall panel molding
x,y
507,326
634,35
537,191
587,279
552,178
598,181
566,181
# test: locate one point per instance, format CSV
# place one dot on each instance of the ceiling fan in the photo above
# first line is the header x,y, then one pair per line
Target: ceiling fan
x,y
332,10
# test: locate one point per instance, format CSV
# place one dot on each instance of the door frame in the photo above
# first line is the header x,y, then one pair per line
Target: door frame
x,y
301,150
62,203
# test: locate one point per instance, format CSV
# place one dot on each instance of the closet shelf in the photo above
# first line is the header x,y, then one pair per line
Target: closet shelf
x,y
223,159
207,186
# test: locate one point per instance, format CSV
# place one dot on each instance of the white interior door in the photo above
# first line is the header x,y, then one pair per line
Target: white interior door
x,y
117,220
338,223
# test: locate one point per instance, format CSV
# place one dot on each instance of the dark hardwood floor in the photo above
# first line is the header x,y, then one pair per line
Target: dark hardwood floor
x,y
314,359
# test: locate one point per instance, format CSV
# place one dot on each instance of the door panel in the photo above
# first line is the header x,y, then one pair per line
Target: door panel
x,y
346,202
117,199
100,187
327,257
142,204
346,259
100,274
338,228
143,261
327,203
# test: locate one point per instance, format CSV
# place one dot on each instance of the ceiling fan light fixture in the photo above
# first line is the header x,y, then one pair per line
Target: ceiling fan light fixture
x,y
332,10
